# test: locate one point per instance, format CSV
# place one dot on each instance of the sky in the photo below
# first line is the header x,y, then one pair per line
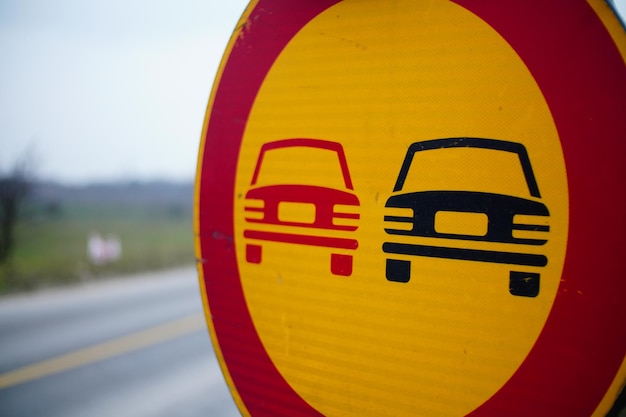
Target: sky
x,y
110,90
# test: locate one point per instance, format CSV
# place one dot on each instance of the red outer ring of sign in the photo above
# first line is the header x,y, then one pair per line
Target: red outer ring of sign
x,y
581,75
582,78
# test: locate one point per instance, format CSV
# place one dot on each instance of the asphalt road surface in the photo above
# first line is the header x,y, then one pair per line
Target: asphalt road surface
x,y
136,346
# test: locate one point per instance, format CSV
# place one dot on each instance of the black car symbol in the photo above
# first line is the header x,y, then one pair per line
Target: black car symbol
x,y
500,211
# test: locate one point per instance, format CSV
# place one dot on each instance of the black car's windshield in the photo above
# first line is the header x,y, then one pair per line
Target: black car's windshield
x,y
468,164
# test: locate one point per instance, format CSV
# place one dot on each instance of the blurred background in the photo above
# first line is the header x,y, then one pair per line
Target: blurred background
x,y
101,111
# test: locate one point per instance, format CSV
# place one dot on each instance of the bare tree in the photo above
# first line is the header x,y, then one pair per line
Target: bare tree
x,y
14,188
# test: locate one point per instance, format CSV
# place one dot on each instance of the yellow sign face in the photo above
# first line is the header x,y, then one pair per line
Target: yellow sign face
x,y
401,214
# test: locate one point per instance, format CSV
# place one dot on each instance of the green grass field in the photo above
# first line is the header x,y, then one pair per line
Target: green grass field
x,y
51,249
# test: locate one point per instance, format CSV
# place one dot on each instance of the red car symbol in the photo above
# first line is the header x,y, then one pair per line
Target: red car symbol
x,y
333,209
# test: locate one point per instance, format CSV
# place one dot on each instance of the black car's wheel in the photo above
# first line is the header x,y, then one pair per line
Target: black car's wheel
x,y
524,284
398,270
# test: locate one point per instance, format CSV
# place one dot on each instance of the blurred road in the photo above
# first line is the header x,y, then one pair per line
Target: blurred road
x,y
126,347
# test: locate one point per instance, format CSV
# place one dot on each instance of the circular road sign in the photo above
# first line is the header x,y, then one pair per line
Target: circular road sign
x,y
417,208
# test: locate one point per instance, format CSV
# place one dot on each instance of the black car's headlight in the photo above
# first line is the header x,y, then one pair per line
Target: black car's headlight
x,y
399,218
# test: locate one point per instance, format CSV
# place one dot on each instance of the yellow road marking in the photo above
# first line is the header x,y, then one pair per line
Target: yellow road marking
x,y
135,341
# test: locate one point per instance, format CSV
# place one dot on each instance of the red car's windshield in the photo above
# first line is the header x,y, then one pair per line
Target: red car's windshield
x,y
302,163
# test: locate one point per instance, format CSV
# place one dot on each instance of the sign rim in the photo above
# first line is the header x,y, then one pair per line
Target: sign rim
x,y
214,224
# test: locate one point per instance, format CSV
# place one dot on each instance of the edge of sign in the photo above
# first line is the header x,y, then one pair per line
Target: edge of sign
x,y
608,15
612,22
196,218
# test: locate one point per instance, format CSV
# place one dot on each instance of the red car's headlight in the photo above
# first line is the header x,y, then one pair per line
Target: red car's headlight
x,y
346,216
255,209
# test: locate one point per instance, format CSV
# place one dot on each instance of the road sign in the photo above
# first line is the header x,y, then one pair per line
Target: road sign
x,y
417,208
